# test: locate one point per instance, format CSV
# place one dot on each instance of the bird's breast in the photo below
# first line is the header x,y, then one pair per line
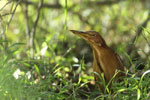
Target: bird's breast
x,y
107,61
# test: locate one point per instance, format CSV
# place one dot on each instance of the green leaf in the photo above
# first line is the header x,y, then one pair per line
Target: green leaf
x,y
37,70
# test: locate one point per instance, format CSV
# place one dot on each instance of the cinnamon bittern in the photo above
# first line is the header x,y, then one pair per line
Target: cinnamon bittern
x,y
105,60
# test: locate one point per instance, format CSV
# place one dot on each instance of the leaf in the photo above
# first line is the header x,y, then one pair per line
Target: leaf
x,y
138,94
37,70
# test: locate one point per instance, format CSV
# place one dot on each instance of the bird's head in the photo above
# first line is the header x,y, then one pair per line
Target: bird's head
x,y
92,37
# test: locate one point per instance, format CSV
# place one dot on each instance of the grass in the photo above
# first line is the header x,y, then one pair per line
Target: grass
x,y
40,80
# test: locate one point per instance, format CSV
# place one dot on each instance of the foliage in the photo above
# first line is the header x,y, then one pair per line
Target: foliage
x,y
41,60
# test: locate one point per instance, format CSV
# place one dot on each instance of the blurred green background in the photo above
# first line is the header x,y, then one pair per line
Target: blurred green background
x,y
42,60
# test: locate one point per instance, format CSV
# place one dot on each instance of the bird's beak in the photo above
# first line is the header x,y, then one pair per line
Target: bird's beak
x,y
80,33
77,32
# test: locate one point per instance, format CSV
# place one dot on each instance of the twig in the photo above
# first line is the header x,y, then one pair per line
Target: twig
x,y
44,5
2,31
6,14
33,31
104,2
27,22
37,17
58,6
5,5
84,20
139,32
13,12
146,39
140,28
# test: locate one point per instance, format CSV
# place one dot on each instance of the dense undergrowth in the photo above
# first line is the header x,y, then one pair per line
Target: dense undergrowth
x,y
39,80
41,60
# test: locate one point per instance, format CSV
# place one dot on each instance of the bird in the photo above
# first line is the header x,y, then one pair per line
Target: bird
x,y
105,61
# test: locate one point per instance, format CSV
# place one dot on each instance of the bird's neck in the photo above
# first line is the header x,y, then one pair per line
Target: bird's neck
x,y
97,56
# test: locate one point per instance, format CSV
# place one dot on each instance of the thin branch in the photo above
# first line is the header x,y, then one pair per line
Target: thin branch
x,y
33,31
27,22
82,18
11,17
105,2
59,6
146,39
140,28
5,5
37,17
139,32
44,5
13,12
2,31
6,14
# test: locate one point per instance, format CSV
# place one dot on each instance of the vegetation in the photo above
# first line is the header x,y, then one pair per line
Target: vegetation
x,y
41,60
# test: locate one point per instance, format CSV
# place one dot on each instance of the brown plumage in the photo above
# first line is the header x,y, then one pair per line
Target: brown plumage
x,y
105,59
